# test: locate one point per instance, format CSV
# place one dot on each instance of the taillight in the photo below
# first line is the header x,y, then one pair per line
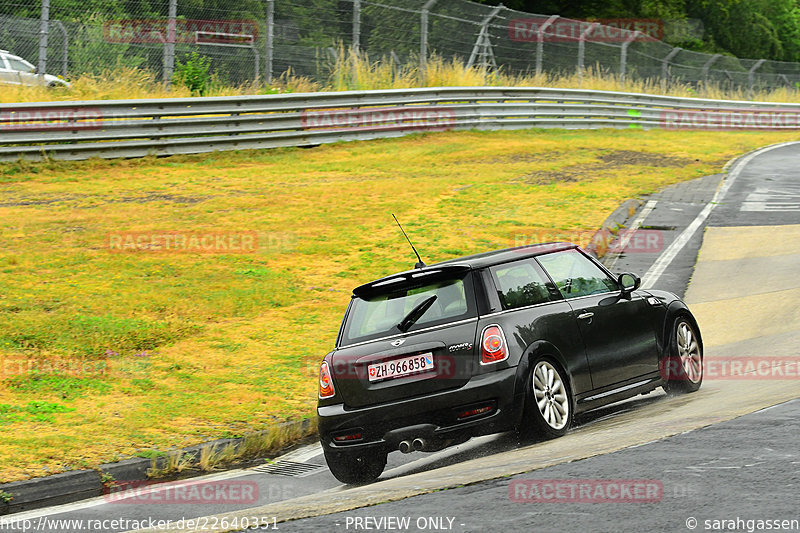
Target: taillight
x,y
347,437
493,345
475,411
325,381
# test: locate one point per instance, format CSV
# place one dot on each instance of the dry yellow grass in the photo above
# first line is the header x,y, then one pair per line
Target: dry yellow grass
x,y
357,71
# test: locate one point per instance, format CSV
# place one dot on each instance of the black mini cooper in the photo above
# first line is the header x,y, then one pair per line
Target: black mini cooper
x,y
518,339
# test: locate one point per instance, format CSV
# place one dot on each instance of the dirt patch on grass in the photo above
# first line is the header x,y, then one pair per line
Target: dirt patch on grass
x,y
608,161
619,158
78,200
568,175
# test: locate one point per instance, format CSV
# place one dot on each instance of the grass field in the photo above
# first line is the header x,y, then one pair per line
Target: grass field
x,y
106,354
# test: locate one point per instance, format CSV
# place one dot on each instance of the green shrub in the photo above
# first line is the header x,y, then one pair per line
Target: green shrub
x,y
194,74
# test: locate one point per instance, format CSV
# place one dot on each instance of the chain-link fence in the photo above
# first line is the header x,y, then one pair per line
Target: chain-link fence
x,y
256,40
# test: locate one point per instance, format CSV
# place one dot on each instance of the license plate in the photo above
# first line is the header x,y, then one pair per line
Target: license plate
x,y
400,367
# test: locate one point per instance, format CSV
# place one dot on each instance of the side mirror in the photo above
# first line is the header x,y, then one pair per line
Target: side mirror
x,y
628,282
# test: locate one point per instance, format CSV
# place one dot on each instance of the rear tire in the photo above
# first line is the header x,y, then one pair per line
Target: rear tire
x,y
548,402
355,468
683,368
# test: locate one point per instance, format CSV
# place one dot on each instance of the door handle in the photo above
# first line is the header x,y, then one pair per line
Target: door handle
x,y
585,316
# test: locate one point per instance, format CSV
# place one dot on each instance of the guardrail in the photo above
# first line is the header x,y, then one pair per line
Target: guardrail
x,y
136,128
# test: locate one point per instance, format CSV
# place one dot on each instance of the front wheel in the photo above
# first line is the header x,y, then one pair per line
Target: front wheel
x,y
355,468
683,368
548,404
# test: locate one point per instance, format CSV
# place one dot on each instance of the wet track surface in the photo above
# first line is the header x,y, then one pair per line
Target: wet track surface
x,y
746,469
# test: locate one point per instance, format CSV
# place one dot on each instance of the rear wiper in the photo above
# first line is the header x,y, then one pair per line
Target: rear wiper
x,y
416,313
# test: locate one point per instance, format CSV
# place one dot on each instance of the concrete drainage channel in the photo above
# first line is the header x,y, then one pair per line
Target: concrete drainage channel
x,y
76,485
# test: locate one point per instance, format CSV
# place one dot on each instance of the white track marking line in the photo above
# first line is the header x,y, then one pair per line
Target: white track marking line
x,y
626,237
657,269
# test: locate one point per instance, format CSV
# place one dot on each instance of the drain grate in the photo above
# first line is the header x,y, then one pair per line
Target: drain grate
x,y
288,468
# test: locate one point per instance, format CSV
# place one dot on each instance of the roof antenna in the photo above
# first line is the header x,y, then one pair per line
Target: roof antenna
x,y
420,264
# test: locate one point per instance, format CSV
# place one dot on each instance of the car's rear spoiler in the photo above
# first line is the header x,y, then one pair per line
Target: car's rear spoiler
x,y
431,273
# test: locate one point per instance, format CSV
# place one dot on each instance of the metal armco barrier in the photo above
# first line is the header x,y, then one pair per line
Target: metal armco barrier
x,y
136,128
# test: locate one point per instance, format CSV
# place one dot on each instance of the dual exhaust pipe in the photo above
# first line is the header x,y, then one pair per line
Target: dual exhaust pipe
x,y
415,445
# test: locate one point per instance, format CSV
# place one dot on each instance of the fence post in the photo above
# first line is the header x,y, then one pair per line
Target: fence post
x,y
60,26
483,39
751,73
581,46
256,63
423,38
623,55
356,24
540,42
270,41
707,66
169,45
665,67
43,29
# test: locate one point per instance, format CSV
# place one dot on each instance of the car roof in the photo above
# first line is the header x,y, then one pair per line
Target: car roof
x,y
506,255
462,264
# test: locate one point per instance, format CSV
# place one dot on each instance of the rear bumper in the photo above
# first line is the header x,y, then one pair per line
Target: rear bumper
x,y
432,416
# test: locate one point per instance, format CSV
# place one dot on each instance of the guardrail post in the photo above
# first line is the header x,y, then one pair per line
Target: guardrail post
x,y
483,39
751,73
43,29
707,66
169,45
665,67
423,38
356,24
581,47
270,42
623,55
540,42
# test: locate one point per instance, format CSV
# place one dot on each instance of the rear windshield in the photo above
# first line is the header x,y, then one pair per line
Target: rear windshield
x,y
378,315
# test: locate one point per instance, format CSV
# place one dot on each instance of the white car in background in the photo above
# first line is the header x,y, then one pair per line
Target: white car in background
x,y
16,71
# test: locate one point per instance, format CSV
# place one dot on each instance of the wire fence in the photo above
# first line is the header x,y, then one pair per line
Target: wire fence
x,y
257,40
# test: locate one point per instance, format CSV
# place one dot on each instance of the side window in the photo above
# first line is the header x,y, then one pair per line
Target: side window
x,y
18,65
575,275
520,284
3,64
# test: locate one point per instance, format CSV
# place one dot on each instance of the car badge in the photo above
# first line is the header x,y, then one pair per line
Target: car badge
x,y
398,342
